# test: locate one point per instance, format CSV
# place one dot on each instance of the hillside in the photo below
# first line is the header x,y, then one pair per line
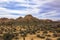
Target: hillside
x,y
28,27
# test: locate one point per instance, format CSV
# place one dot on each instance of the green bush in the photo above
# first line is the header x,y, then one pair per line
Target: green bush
x,y
8,36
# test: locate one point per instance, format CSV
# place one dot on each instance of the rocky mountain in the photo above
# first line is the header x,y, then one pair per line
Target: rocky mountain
x,y
27,18
19,19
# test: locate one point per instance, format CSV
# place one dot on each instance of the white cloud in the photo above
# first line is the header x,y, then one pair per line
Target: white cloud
x,y
34,9
12,0
51,13
9,16
4,11
7,11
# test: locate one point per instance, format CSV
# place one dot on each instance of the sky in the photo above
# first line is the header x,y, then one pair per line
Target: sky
x,y
42,9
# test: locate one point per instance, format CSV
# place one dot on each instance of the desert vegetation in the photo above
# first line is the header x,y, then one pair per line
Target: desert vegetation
x,y
29,28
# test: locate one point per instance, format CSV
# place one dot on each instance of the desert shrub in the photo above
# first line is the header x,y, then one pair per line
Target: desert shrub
x,y
54,35
32,32
58,38
16,38
48,39
40,36
23,34
45,32
48,35
1,38
8,36
32,39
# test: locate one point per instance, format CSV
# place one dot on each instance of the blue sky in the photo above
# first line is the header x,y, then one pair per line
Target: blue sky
x,y
43,9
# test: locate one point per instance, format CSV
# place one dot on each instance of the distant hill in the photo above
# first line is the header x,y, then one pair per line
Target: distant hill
x,y
28,19
30,23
